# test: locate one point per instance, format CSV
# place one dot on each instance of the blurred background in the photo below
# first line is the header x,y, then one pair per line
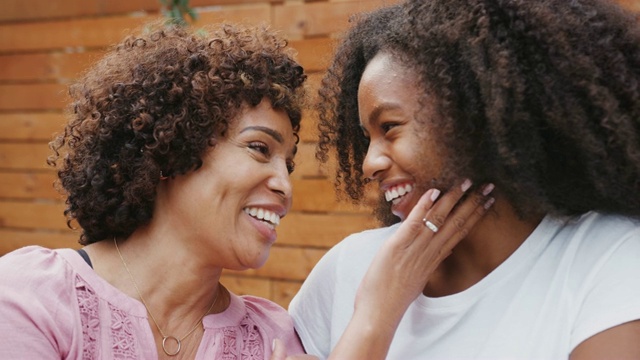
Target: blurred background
x,y
45,44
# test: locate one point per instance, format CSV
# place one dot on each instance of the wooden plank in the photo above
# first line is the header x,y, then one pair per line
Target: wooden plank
x,y
632,5
13,10
317,195
243,285
11,239
285,263
306,163
46,66
33,97
314,54
313,84
28,186
32,215
33,156
24,156
283,291
302,19
31,126
321,230
100,32
309,126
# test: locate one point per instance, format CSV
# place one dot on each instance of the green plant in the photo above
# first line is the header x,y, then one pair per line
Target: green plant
x,y
176,11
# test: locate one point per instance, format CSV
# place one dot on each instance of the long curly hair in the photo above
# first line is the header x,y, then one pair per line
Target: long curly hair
x,y
154,105
539,97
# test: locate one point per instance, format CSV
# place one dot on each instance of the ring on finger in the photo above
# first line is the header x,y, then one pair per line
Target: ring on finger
x,y
430,225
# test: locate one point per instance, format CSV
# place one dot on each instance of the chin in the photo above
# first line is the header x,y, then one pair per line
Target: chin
x,y
383,214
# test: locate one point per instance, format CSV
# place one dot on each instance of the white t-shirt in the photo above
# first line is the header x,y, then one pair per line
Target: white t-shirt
x,y
568,281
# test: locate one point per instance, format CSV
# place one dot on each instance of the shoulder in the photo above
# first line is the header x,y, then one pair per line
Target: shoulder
x,y
597,235
273,320
31,262
37,296
266,310
37,273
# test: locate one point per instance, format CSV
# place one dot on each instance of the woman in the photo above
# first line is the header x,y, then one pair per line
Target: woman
x,y
537,97
176,164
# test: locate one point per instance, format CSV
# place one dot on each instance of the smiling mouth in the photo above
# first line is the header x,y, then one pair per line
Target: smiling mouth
x,y
264,215
397,192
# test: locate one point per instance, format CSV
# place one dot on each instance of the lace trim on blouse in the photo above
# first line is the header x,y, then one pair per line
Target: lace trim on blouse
x,y
88,304
252,346
123,341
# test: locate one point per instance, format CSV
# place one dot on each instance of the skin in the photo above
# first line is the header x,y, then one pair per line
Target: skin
x,y
200,226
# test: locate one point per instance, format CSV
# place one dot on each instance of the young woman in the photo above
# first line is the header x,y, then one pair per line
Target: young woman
x,y
539,98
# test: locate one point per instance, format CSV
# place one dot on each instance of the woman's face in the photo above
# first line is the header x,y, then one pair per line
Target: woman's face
x,y
401,156
231,206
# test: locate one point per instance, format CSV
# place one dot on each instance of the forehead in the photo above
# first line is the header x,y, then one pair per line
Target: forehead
x,y
387,84
385,68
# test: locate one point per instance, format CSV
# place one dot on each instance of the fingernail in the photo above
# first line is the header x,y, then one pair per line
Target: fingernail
x,y
488,189
489,202
434,194
466,185
273,345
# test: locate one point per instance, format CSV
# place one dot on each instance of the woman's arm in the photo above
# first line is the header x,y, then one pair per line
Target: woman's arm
x,y
401,269
618,342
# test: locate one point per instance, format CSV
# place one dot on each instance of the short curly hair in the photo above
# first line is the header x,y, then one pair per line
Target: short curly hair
x,y
153,105
539,97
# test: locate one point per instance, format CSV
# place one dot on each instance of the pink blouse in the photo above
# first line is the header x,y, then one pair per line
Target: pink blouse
x,y
54,306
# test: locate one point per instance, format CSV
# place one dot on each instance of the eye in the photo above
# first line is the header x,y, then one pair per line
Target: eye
x,y
260,147
291,166
386,127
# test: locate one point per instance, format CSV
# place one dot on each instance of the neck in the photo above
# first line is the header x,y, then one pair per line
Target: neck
x,y
175,284
489,244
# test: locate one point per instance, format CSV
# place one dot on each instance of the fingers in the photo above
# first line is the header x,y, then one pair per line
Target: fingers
x,y
453,218
439,213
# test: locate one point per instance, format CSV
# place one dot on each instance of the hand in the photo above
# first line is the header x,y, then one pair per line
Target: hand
x,y
403,265
280,353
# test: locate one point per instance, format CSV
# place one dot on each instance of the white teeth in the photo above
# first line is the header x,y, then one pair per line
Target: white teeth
x,y
397,192
264,215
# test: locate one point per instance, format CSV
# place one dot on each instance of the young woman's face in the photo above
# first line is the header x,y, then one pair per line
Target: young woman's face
x,y
231,206
401,156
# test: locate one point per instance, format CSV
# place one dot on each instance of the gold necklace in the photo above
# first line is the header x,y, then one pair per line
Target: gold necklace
x,y
164,337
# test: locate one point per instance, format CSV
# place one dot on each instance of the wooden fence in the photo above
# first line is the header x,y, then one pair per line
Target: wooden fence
x,y
45,44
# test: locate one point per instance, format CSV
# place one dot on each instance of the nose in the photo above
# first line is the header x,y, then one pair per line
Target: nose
x,y
280,181
376,161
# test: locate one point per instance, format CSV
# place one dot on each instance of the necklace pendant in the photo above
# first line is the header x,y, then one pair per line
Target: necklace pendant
x,y
164,345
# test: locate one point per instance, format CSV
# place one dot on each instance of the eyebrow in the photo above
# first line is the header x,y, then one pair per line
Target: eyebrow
x,y
375,114
269,131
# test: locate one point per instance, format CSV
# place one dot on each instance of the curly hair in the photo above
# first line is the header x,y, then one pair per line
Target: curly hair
x,y
153,105
539,97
